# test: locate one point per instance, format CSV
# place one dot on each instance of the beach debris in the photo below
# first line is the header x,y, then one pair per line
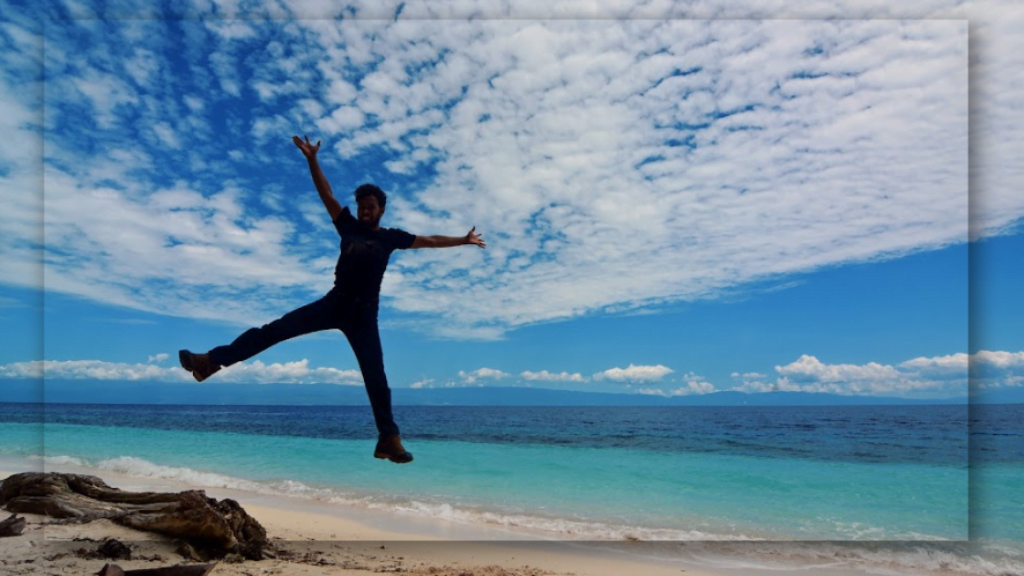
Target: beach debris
x,y
311,557
178,570
109,548
115,549
13,526
187,551
212,528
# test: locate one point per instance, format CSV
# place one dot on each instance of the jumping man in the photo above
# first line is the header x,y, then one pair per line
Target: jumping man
x,y
351,306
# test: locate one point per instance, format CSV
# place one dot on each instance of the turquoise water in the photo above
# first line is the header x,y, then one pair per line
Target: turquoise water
x,y
882,489
562,490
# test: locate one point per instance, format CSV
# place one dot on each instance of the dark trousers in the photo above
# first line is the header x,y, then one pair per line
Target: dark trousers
x,y
358,323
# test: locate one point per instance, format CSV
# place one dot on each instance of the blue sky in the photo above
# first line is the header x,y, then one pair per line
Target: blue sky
x,y
672,206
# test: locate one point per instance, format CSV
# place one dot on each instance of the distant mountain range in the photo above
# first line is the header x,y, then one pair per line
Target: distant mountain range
x,y
143,392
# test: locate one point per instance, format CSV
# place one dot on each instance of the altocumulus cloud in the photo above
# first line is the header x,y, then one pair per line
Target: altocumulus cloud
x,y
613,164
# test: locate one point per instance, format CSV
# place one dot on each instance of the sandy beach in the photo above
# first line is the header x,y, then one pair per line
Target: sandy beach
x,y
321,543
319,538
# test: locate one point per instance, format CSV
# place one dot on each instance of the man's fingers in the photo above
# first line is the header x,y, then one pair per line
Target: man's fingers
x,y
306,145
478,240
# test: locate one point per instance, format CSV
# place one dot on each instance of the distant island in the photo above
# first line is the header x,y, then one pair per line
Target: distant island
x,y
148,392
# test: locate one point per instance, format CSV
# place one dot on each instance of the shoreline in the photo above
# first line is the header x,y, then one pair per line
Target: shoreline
x,y
342,536
331,540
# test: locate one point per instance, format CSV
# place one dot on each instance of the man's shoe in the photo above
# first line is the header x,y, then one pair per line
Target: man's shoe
x,y
390,448
198,364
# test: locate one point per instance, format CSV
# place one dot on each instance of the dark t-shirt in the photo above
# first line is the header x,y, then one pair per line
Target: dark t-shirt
x,y
364,256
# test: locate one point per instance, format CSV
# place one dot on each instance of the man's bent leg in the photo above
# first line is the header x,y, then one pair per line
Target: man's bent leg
x,y
313,317
364,337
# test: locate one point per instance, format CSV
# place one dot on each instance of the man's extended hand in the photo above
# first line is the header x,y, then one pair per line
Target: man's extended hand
x,y
474,238
449,241
308,150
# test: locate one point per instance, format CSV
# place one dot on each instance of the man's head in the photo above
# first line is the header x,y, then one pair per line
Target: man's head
x,y
371,201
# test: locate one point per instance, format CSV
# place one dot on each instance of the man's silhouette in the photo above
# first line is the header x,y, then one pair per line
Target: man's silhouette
x,y
351,306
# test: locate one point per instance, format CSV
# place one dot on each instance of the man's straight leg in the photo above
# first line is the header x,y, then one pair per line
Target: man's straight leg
x,y
364,337
313,317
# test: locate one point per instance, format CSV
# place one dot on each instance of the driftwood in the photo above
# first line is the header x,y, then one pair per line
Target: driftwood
x,y
180,570
214,528
12,526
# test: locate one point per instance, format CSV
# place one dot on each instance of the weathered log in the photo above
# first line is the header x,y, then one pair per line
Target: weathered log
x,y
215,528
180,570
12,526
74,496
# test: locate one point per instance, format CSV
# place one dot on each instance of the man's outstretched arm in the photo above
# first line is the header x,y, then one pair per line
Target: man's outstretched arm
x,y
319,180
449,241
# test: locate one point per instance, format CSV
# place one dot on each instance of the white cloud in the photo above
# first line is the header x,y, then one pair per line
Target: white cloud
x,y
551,152
1000,360
297,372
424,383
224,66
546,376
759,148
999,369
256,372
33,369
167,136
108,95
808,368
143,66
194,103
936,377
695,387
91,370
482,374
634,373
923,377
342,119
749,375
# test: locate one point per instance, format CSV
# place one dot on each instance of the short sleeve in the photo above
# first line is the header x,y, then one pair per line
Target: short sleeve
x,y
400,239
346,224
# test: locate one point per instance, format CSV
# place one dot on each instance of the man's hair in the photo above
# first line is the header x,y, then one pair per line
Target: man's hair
x,y
370,190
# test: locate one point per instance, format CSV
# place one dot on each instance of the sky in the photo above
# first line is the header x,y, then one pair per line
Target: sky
x,y
677,199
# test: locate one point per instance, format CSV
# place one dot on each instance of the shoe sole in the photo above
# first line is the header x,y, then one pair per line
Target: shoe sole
x,y
389,457
185,359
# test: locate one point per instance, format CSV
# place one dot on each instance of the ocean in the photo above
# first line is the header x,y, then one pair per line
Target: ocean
x,y
894,487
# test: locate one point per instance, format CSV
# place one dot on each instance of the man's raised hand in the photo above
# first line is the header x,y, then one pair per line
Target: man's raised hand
x,y
474,238
308,150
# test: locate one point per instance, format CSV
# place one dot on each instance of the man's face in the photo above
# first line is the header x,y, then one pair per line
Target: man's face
x,y
369,210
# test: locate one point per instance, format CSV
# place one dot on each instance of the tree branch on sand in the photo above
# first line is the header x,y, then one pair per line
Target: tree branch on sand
x,y
12,526
213,528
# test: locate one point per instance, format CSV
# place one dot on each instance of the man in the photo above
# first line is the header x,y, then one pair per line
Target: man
x,y
351,306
